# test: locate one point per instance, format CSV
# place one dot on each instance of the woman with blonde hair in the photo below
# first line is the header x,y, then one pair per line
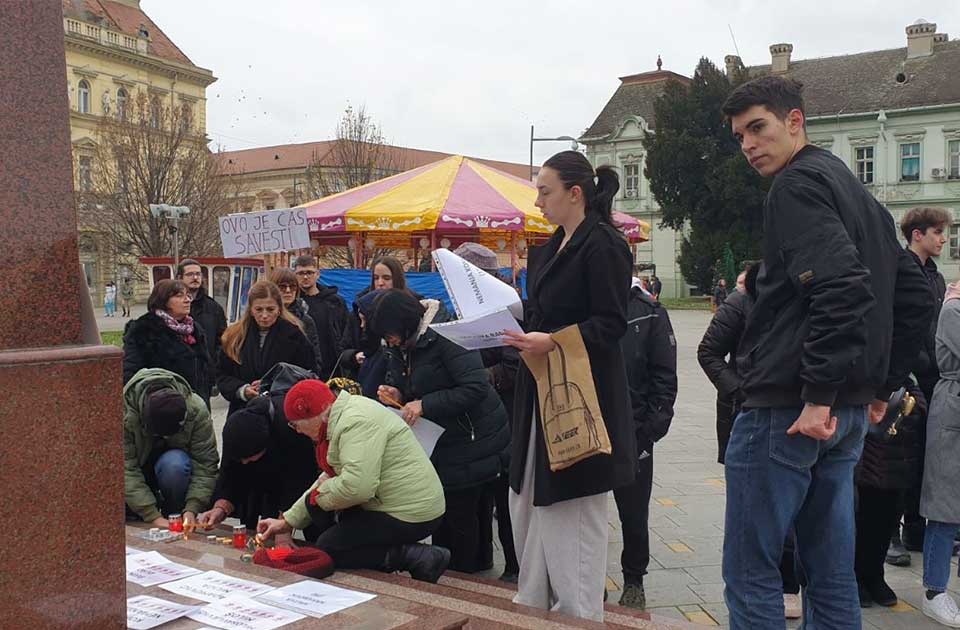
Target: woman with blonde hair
x,y
266,334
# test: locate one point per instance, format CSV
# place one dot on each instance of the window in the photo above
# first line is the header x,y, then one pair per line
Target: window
x,y
154,113
122,103
910,162
85,173
955,240
631,179
123,177
83,97
953,159
863,164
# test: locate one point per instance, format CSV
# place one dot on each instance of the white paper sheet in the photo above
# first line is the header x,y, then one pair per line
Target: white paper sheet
x,y
426,432
213,586
484,331
131,551
244,614
315,598
145,612
472,290
150,568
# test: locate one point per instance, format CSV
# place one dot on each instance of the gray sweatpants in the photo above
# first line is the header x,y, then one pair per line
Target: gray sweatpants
x,y
562,549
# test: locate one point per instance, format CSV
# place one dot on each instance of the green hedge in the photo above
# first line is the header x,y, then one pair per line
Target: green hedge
x,y
112,338
700,303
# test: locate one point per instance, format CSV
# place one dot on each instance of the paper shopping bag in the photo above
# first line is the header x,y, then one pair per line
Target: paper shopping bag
x,y
573,427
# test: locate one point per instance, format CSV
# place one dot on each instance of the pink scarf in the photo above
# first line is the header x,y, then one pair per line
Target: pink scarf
x,y
184,328
953,291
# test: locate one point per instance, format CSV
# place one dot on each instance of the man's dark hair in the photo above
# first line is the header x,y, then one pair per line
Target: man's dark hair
x,y
777,94
306,260
184,264
922,219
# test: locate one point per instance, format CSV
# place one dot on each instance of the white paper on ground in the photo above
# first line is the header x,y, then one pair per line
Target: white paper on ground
x,y
131,551
484,331
244,614
427,433
213,586
315,598
472,290
145,612
150,568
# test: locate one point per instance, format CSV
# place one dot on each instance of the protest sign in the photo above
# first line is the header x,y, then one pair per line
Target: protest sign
x,y
212,586
315,598
244,614
150,568
145,612
253,233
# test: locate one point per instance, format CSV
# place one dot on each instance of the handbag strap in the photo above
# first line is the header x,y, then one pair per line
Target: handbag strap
x,y
563,369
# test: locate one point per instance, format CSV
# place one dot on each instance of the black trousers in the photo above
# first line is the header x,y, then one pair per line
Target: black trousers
x,y
877,516
495,495
466,530
362,539
633,506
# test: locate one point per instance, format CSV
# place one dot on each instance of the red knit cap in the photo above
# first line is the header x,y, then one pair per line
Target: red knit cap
x,y
307,399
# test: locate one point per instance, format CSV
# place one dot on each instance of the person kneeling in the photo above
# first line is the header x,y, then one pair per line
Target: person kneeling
x,y
378,494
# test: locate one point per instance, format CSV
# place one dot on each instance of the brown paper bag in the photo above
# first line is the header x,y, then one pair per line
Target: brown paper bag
x,y
569,410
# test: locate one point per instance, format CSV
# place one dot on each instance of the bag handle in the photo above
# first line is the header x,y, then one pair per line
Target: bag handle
x,y
563,368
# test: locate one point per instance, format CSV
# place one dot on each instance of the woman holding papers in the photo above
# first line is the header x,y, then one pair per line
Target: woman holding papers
x,y
447,384
378,495
581,276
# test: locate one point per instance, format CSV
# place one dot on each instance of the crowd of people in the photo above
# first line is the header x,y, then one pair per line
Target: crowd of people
x,y
835,321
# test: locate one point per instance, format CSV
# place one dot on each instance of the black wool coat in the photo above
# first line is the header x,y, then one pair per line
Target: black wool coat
x,y
588,284
209,314
285,342
149,343
896,464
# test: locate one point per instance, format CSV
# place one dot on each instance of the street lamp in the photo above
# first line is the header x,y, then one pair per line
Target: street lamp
x,y
573,145
174,214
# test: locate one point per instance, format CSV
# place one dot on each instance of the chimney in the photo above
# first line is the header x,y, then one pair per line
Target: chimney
x,y
920,36
780,58
732,62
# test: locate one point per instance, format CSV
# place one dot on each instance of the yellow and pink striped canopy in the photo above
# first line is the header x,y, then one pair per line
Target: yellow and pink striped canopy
x,y
454,196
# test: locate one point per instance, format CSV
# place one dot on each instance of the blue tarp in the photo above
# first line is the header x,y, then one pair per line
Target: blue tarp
x,y
350,282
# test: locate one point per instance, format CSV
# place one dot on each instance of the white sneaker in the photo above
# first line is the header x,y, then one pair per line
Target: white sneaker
x,y
792,609
942,609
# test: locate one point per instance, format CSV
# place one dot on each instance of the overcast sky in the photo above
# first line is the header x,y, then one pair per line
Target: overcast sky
x,y
471,77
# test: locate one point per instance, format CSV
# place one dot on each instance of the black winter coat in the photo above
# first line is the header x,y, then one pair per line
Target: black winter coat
x,y
722,339
285,342
897,464
841,308
209,314
926,369
334,324
588,284
301,311
149,343
650,354
456,393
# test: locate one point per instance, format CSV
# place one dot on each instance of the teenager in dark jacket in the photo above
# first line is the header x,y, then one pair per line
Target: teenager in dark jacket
x,y
650,354
328,310
286,281
265,335
840,312
167,337
447,385
203,309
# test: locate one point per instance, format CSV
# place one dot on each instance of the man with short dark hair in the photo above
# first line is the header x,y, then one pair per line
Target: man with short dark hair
x,y
328,310
839,313
203,309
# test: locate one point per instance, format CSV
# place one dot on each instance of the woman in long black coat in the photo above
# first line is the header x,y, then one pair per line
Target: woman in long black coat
x,y
265,335
582,277
448,385
167,337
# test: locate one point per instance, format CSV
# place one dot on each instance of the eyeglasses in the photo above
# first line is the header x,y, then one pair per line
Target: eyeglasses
x,y
287,287
306,273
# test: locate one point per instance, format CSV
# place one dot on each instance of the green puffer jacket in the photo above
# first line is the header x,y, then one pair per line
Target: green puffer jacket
x,y
380,466
196,438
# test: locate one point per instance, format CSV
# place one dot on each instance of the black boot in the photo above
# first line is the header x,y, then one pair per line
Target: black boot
x,y
865,600
881,593
424,562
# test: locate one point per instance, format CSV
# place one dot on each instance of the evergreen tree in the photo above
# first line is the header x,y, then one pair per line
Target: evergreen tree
x,y
702,182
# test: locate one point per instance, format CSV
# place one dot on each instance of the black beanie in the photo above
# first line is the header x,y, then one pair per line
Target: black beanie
x,y
397,313
247,431
164,411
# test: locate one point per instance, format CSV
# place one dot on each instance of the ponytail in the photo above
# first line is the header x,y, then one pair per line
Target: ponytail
x,y
608,183
599,188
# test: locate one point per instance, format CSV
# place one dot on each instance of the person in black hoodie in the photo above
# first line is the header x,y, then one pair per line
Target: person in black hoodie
x,y
203,309
265,335
650,353
328,310
448,385
286,281
840,312
167,337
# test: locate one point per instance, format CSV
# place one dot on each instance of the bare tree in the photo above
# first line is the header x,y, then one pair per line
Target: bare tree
x,y
151,153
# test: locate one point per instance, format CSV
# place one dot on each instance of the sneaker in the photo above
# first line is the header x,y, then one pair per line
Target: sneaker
x,y
897,555
633,596
865,600
942,609
882,594
792,608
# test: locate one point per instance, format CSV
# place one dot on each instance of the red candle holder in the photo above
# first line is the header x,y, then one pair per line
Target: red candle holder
x,y
176,523
239,537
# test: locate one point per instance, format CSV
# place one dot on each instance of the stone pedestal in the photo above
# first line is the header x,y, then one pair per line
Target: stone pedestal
x,y
61,457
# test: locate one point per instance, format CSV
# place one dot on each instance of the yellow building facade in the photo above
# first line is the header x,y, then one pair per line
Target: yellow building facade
x,y
115,53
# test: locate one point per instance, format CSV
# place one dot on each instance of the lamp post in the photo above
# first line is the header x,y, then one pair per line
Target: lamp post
x,y
173,214
574,144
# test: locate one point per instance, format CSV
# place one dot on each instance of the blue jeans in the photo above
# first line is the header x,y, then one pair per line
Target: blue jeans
x,y
173,470
775,481
937,551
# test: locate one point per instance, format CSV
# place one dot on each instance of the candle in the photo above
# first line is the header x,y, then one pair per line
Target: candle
x,y
176,523
239,537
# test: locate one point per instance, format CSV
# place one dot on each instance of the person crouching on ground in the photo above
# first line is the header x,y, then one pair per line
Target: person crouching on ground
x,y
378,494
